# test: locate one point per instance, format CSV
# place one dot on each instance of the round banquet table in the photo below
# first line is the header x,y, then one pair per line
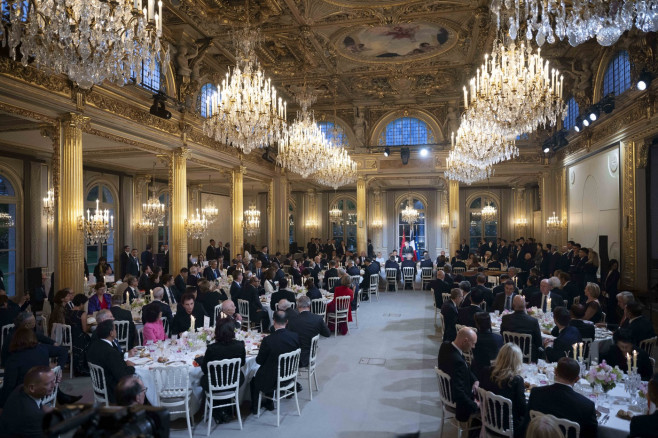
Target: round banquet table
x,y
266,299
179,355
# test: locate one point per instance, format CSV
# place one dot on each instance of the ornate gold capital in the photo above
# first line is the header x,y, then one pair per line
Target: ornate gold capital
x,y
76,120
182,152
642,158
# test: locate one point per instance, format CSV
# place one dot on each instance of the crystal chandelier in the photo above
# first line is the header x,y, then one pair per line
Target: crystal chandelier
x,y
580,21
462,171
410,215
6,220
303,145
336,214
521,222
196,226
489,213
340,170
246,112
479,144
210,211
88,40
377,224
145,226
251,222
554,224
351,218
153,210
49,206
97,227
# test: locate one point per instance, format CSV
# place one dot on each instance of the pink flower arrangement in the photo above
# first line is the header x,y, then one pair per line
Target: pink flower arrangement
x,y
604,375
643,389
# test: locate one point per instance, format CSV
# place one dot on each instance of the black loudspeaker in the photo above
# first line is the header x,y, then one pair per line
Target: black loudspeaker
x,y
32,278
604,260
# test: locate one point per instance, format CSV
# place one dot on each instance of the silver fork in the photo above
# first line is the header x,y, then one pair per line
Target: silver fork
x,y
605,419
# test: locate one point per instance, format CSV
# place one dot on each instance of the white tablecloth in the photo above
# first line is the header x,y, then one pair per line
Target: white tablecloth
x,y
266,299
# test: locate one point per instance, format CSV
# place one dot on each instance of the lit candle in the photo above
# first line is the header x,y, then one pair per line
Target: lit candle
x,y
628,362
151,294
581,347
151,8
575,350
192,322
111,221
634,359
160,10
548,304
465,98
127,297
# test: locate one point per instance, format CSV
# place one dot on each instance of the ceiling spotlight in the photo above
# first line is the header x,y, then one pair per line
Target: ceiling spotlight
x,y
158,108
546,150
585,122
404,154
578,126
387,151
423,152
644,80
608,103
594,113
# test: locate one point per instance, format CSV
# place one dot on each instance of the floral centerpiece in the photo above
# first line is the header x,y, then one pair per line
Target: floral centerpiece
x,y
643,390
604,375
206,334
299,289
534,311
137,303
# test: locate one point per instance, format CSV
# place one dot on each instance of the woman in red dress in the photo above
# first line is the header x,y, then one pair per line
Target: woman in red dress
x,y
342,291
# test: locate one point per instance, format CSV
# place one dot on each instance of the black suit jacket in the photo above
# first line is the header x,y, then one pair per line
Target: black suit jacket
x,y
499,302
174,292
133,266
144,282
181,286
556,300
296,276
181,322
280,342
147,258
18,364
440,287
125,315
521,322
450,315
210,275
466,315
451,361
124,264
513,390
250,293
209,300
281,294
486,349
132,293
265,258
21,417
333,272
586,330
104,355
235,292
563,343
563,402
487,294
307,325
641,329
644,426
569,292
217,351
166,311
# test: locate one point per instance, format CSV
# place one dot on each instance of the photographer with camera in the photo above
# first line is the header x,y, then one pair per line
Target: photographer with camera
x,y
130,391
23,414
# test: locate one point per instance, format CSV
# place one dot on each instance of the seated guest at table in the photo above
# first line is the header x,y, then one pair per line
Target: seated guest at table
x,y
331,273
131,288
370,269
440,287
187,308
408,263
593,311
153,328
154,278
257,314
295,273
503,301
62,298
560,400
623,300
229,311
165,309
494,265
645,425
622,345
268,284
282,293
391,263
211,273
307,325
520,322
24,353
472,262
286,306
192,276
565,336
224,347
543,426
441,260
180,282
450,313
586,329
501,286
280,341
504,378
540,300
121,314
103,353
77,319
312,291
465,286
569,289
466,314
640,326
130,391
22,415
531,287
209,299
488,344
487,294
100,300
462,381
343,290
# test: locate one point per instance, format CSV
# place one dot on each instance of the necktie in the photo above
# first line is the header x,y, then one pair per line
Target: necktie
x,y
507,303
543,303
117,346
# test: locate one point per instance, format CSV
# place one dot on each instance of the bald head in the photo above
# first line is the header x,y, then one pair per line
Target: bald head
x,y
466,339
104,315
518,303
545,286
228,307
440,274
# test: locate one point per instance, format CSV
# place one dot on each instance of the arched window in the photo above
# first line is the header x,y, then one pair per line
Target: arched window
x,y
204,100
8,208
291,223
406,131
573,111
345,228
479,228
617,77
334,133
106,200
413,233
163,227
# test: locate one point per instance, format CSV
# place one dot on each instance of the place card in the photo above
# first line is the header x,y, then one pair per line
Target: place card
x,y
206,322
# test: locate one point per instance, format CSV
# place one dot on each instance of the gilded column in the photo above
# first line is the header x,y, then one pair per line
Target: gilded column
x,y
178,183
270,215
544,203
453,208
237,208
376,218
361,205
628,266
70,252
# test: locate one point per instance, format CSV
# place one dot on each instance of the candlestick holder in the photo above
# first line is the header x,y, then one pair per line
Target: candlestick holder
x,y
633,387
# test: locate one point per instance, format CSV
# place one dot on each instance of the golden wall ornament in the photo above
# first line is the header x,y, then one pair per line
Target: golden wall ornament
x,y
629,243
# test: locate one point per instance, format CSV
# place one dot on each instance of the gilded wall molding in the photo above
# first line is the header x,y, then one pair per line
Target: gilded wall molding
x,y
119,139
629,243
53,83
643,154
22,112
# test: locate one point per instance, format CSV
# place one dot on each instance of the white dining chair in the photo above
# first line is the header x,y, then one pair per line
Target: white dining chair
x,y
458,270
524,342
243,310
51,399
426,276
437,310
448,406
445,296
392,278
373,288
123,329
332,281
312,362
494,410
566,426
319,307
649,345
165,325
61,334
286,382
218,312
223,388
173,390
99,384
408,276
340,313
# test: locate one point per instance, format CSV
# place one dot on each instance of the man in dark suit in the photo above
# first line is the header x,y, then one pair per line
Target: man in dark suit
x,y
158,296
569,289
256,312
408,263
278,274
280,341
640,326
22,414
211,253
560,400
531,287
209,297
180,282
131,289
487,294
211,273
102,352
124,315
463,250
586,329
440,287
391,263
170,295
331,272
282,293
462,380
165,259
565,336
503,301
307,325
450,314
134,268
187,307
466,315
370,269
521,322
236,288
124,262
264,257
540,300
147,256
145,279
426,262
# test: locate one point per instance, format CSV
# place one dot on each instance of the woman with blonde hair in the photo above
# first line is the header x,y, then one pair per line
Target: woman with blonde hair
x,y
593,310
543,426
591,266
504,379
